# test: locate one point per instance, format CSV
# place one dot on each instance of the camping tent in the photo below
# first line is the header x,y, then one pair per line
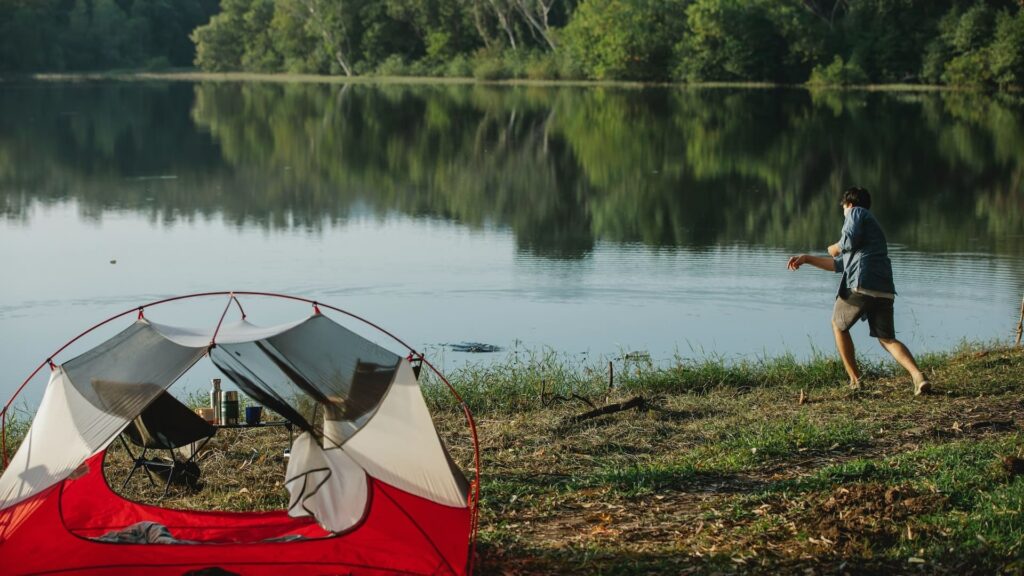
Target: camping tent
x,y
372,487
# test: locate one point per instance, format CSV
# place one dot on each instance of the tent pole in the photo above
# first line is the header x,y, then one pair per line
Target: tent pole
x,y
213,339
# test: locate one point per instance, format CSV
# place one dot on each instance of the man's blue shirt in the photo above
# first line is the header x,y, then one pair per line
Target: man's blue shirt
x,y
864,261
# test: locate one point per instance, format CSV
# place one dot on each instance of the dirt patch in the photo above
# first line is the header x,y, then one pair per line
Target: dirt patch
x,y
853,519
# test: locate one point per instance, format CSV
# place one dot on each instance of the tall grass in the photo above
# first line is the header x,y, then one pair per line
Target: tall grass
x,y
531,379
18,422
524,380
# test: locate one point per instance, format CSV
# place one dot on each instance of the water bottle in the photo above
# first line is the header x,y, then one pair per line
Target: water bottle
x,y
215,402
230,407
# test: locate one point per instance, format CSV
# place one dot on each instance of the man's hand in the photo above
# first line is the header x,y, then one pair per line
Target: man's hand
x,y
834,250
795,262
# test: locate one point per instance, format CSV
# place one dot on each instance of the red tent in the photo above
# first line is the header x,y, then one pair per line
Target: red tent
x,y
373,490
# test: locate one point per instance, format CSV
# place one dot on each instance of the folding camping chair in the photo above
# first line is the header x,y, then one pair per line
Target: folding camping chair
x,y
167,424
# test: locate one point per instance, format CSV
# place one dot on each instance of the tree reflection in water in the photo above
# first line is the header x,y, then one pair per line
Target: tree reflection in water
x,y
561,167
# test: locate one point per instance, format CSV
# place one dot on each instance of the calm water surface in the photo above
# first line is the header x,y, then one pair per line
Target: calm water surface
x,y
591,221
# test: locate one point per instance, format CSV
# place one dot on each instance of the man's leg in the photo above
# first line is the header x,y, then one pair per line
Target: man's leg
x,y
844,343
880,319
902,355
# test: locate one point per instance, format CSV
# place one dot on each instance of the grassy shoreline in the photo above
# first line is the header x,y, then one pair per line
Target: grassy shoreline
x,y
197,76
754,467
763,466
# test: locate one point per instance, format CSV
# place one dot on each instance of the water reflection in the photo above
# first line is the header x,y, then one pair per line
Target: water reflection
x,y
595,221
563,168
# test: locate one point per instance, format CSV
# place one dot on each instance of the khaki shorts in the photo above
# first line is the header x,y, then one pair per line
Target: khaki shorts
x,y
855,306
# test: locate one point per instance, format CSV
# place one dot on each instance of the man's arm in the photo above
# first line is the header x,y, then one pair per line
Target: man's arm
x,y
822,262
852,235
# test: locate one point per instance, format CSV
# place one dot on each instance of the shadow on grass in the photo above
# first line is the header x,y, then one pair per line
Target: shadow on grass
x,y
684,415
511,558
522,487
649,411
684,478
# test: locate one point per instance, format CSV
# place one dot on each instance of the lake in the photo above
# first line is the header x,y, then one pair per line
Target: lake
x,y
588,221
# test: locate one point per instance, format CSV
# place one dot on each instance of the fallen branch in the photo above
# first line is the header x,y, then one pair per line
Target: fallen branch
x,y
637,402
993,424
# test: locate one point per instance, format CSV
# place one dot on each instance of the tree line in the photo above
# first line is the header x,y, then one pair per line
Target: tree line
x,y
957,42
84,35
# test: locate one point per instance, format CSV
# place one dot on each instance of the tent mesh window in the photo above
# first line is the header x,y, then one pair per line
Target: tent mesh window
x,y
301,375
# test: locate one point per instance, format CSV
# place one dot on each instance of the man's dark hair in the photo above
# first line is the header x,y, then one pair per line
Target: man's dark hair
x,y
857,196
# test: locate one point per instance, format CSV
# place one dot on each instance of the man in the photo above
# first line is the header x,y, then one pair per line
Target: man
x,y
866,289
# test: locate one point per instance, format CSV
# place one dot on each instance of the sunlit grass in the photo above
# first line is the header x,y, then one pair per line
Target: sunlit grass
x,y
791,435
18,421
532,379
978,505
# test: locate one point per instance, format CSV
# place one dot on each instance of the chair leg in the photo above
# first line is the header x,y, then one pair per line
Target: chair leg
x,y
139,462
170,476
130,474
175,468
145,466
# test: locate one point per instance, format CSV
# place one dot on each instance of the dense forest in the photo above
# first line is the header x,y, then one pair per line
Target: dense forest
x,y
80,35
957,42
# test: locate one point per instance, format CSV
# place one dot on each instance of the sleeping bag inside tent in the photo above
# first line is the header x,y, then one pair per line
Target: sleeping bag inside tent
x,y
372,488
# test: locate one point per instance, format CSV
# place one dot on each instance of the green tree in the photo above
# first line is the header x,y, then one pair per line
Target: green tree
x,y
838,73
940,48
220,44
971,66
437,29
293,41
624,39
974,28
99,36
259,52
885,37
1007,50
160,28
28,29
335,24
736,40
384,35
95,34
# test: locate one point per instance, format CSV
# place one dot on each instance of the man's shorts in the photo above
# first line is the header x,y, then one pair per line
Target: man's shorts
x,y
855,306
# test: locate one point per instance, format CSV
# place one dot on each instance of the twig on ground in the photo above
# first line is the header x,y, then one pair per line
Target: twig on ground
x,y
637,402
549,399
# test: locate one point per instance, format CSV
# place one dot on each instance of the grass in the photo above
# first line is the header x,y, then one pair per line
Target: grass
x,y
729,472
953,502
763,466
17,423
